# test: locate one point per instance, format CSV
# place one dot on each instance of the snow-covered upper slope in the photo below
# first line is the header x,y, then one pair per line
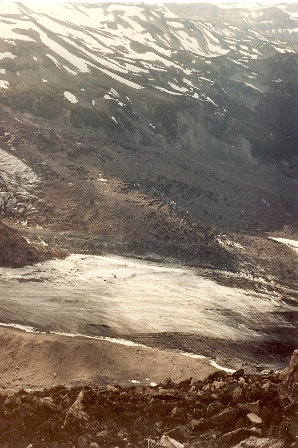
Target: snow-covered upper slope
x,y
134,43
134,71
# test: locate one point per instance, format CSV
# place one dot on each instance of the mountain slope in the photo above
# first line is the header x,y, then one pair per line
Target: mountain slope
x,y
162,132
192,107
211,79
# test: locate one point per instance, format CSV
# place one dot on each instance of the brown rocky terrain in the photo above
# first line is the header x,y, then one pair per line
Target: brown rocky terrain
x,y
16,251
95,196
110,187
75,194
225,410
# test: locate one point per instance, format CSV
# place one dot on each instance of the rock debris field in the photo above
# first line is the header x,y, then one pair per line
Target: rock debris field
x,y
225,410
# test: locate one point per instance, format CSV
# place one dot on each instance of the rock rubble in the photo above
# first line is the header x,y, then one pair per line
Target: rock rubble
x,y
190,414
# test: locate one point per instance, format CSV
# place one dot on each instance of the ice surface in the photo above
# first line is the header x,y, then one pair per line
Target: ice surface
x,y
132,296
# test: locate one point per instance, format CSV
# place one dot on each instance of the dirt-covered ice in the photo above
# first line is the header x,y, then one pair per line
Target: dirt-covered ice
x,y
121,296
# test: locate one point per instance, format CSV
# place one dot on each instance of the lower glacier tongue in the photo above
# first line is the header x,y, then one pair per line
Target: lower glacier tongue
x,y
89,294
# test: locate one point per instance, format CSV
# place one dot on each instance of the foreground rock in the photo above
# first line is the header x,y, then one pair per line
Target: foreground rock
x,y
190,414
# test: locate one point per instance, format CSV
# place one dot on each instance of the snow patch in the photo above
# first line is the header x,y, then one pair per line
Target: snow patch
x,y
70,97
229,243
7,54
69,70
178,88
4,84
291,243
253,87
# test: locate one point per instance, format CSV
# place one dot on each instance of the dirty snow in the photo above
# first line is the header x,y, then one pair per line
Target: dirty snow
x,y
15,172
225,242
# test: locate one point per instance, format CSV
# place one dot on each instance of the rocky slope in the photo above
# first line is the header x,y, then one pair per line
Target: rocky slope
x,y
220,412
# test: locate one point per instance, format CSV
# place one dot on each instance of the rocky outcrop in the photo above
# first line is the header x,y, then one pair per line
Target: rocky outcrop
x,y
16,251
291,372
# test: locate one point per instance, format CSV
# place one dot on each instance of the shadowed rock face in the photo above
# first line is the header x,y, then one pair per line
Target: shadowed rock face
x,y
14,250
